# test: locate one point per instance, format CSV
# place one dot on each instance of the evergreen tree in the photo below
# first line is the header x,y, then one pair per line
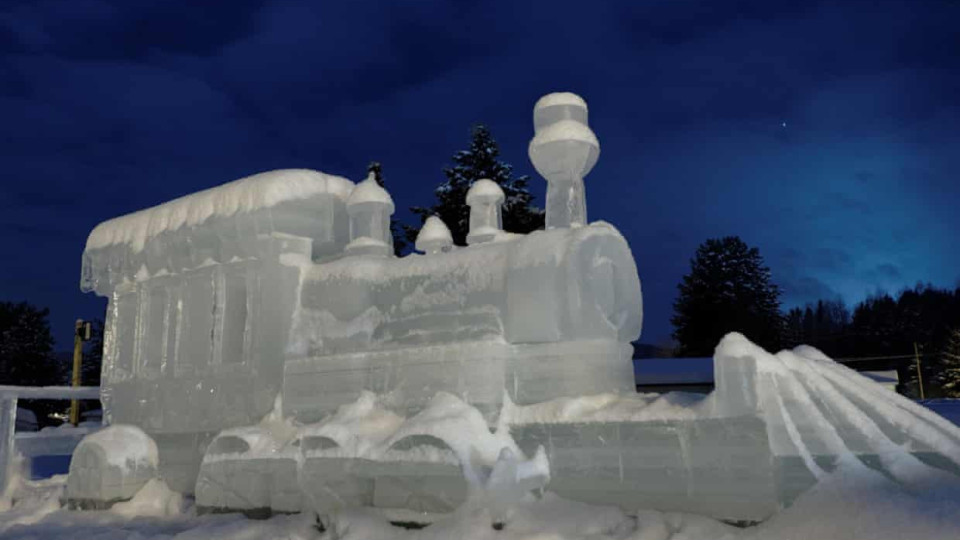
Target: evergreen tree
x,y
477,162
396,228
794,328
26,346
26,355
728,289
949,372
824,325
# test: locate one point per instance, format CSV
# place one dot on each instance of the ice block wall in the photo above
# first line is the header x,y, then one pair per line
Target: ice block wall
x,y
547,314
821,415
200,304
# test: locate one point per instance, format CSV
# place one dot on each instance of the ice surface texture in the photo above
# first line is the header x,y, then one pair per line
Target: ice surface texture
x,y
558,305
769,433
112,465
285,283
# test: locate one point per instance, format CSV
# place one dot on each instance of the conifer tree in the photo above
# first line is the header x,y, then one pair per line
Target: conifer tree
x,y
949,376
26,354
728,289
26,346
481,160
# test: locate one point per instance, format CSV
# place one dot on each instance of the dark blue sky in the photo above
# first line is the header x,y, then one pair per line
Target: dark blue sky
x,y
825,133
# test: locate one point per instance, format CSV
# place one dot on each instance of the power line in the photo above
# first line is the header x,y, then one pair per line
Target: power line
x,y
872,358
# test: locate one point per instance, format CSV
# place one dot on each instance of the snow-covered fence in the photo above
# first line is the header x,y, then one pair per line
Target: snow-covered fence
x,y
8,415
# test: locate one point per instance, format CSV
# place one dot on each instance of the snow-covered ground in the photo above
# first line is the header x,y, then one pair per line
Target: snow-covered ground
x,y
947,408
845,505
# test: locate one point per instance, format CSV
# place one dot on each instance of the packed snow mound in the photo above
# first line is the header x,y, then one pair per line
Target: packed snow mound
x,y
357,428
460,426
154,499
245,195
607,408
269,438
816,408
853,502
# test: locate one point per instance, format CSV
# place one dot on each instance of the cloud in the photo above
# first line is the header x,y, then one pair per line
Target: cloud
x,y
889,272
122,104
806,289
129,30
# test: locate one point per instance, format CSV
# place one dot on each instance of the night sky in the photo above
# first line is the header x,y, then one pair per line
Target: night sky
x,y
824,133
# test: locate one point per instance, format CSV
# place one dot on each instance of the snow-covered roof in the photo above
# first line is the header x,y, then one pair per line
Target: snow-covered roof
x,y
560,98
369,191
255,192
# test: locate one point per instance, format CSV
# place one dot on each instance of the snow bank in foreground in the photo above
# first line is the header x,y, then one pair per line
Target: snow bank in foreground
x,y
848,504
154,499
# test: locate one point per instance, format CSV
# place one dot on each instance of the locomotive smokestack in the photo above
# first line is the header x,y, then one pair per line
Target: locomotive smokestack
x,y
563,151
370,208
484,199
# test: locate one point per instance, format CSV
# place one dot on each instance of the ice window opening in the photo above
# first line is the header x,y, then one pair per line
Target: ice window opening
x,y
200,307
125,333
235,316
174,332
152,330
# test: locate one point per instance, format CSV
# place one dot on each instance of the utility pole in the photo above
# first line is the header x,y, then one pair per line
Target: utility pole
x,y
916,354
81,333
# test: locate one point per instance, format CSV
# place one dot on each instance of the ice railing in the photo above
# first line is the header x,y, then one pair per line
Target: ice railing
x,y
9,395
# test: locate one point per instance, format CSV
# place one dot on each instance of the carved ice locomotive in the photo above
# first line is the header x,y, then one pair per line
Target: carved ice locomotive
x,y
285,283
394,369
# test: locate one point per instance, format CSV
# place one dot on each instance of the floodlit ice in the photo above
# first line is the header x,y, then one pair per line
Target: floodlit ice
x,y
264,340
434,237
285,283
842,507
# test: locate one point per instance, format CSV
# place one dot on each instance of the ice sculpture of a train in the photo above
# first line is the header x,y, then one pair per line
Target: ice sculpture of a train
x,y
279,356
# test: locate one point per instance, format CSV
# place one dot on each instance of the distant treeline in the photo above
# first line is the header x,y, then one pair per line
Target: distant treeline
x,y
886,326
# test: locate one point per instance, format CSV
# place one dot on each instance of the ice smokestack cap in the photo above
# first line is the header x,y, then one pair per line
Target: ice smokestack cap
x,y
486,221
559,106
434,236
563,143
485,192
369,191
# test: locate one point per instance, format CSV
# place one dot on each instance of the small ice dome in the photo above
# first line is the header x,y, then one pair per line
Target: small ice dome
x,y
369,191
558,107
560,98
434,236
485,191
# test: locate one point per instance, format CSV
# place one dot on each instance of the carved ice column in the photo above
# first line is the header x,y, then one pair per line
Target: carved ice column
x,y
370,207
563,151
434,237
484,199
